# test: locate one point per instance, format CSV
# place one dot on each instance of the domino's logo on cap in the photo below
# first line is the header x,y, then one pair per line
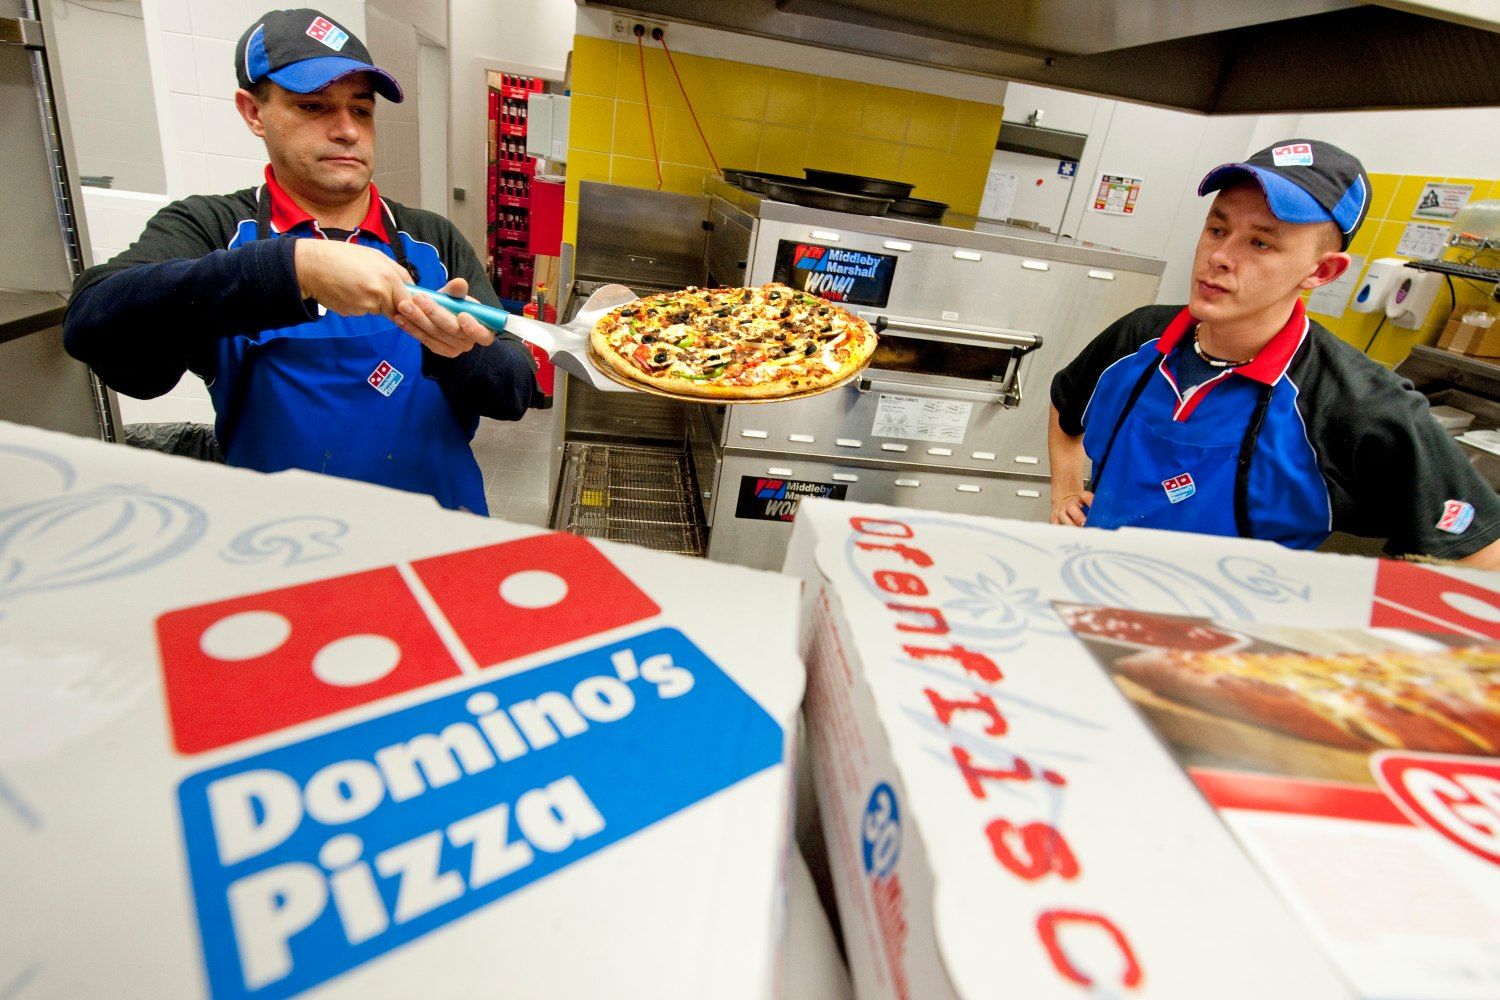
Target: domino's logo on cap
x,y
1297,154
304,51
328,33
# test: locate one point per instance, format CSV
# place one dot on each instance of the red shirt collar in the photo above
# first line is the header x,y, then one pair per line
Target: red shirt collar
x,y
1269,364
286,214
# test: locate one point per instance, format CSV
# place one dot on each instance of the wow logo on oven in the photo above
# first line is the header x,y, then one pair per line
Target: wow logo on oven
x,y
311,858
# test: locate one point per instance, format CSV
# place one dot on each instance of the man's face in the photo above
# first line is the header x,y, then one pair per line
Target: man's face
x,y
1249,262
323,142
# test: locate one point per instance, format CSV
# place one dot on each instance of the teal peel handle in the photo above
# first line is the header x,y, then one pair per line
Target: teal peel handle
x,y
488,316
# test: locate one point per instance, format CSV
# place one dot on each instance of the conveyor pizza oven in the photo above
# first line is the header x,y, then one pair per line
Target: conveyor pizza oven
x,y
974,320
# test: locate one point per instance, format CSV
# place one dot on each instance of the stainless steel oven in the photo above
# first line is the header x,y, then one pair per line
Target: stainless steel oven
x,y
975,318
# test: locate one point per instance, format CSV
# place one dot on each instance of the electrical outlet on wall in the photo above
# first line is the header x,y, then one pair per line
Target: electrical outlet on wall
x,y
622,28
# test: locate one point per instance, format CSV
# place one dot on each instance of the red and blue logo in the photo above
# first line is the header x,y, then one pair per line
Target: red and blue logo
x,y
770,489
384,378
1179,488
328,33
810,257
313,856
1457,516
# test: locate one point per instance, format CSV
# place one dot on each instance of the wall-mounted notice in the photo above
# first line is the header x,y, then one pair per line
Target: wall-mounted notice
x,y
1330,299
1422,241
1117,194
999,194
1442,201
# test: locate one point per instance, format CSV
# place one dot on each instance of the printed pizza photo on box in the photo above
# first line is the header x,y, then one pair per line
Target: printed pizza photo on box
x,y
1306,702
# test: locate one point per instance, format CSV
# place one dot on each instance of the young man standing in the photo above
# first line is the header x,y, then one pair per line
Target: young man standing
x,y
1237,415
290,300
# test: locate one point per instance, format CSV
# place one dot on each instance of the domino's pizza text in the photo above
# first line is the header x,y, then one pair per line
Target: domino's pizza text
x,y
313,858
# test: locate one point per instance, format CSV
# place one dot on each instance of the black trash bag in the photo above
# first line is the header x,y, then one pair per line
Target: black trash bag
x,y
190,440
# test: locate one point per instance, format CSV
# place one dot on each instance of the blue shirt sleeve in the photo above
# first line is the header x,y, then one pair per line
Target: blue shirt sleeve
x,y
144,318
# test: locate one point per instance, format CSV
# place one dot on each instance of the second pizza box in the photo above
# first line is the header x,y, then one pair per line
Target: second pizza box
x,y
1002,817
273,735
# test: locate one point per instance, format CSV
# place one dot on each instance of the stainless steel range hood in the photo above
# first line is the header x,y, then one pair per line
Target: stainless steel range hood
x,y
1211,56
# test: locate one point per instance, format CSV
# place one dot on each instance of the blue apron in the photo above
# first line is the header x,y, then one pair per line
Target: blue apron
x,y
1190,477
345,396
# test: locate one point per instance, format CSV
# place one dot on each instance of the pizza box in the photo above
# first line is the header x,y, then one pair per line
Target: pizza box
x,y
1002,819
266,735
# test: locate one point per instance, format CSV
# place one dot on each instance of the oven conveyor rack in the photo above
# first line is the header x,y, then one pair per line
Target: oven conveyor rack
x,y
640,496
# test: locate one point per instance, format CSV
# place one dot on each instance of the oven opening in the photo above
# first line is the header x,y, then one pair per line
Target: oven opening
x,y
934,357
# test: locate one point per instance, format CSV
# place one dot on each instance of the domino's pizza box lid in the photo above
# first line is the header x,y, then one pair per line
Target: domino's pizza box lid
x,y
1023,810
265,735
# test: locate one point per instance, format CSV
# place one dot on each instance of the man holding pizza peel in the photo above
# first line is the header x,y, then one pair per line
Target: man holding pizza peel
x,y
290,298
1237,415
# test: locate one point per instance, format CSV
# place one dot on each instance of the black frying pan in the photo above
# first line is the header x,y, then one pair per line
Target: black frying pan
x,y
754,180
874,187
805,194
919,208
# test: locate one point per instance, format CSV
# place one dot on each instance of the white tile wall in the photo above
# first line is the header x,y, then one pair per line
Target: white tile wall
x,y
223,19
175,16
177,57
188,122
115,219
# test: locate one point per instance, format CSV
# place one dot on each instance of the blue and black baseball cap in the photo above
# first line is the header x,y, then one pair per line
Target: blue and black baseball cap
x,y
304,51
1304,180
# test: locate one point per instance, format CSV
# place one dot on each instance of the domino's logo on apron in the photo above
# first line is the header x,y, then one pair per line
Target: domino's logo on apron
x,y
384,378
1179,488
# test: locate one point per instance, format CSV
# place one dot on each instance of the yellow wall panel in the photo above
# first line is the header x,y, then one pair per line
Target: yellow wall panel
x,y
683,179
977,128
631,171
830,151
1407,193
839,105
874,158
742,90
791,97
595,65
631,135
659,83
927,169
933,119
591,123
736,143
766,119
1387,237
1365,238
584,166
783,150
680,143
1382,193
886,114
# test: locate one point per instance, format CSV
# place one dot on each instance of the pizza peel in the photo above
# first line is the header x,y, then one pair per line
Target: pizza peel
x,y
567,347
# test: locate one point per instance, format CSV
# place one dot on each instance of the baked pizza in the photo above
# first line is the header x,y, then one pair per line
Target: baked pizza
x,y
733,343
1442,702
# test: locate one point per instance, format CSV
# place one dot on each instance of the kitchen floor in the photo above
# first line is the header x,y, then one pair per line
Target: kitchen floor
x,y
515,457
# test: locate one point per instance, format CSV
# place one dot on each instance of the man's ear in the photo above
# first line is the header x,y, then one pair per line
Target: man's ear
x,y
1330,267
249,109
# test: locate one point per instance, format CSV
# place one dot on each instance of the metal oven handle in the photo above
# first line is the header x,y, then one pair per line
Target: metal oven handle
x,y
867,384
1017,339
